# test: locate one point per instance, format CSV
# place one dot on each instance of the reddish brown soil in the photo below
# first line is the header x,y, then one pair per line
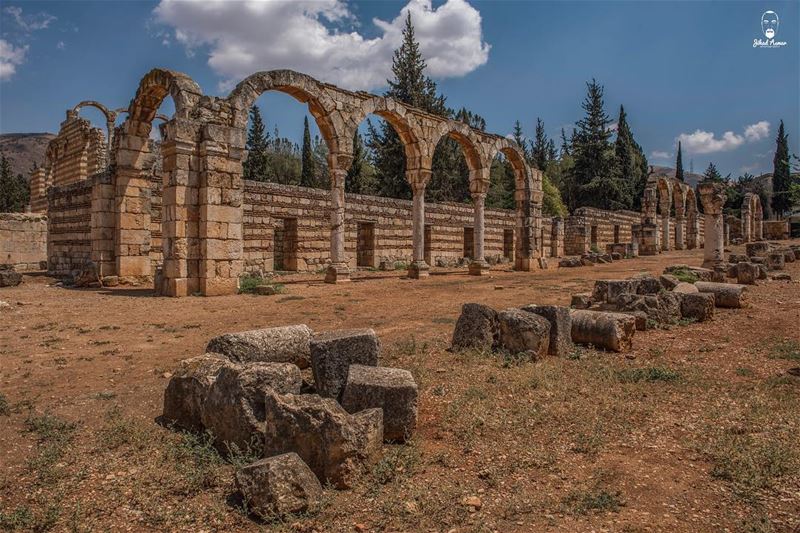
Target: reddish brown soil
x,y
536,442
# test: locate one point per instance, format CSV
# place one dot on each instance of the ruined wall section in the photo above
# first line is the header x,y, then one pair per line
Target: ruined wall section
x,y
23,240
382,226
776,229
78,152
69,243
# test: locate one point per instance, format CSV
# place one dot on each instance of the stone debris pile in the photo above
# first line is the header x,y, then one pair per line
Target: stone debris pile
x,y
316,427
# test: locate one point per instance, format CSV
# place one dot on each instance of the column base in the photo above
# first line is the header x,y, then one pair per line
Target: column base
x,y
523,264
337,273
479,268
418,270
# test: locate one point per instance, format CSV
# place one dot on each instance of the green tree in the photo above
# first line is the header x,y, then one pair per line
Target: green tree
x,y
781,175
559,173
450,171
255,167
411,86
597,183
542,149
361,176
679,164
519,138
565,144
501,184
712,174
630,163
308,173
14,190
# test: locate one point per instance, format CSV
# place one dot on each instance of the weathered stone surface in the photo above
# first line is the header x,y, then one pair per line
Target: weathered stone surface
x,y
187,390
648,284
788,256
600,291
757,249
780,276
110,281
391,389
279,486
663,308
725,294
266,290
620,287
610,331
334,444
776,261
9,278
234,408
88,276
286,344
747,273
585,261
333,352
477,327
581,301
668,281
560,327
685,288
570,262
698,306
524,333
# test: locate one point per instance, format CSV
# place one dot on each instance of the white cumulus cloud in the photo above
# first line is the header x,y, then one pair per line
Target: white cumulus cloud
x,y
706,142
247,36
10,58
757,131
659,154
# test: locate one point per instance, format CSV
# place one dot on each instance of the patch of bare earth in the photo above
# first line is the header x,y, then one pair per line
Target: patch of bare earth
x,y
695,430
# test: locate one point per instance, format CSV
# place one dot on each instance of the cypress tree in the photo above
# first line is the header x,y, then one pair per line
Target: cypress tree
x,y
256,165
519,138
565,144
781,175
541,150
630,162
679,164
361,176
308,172
594,173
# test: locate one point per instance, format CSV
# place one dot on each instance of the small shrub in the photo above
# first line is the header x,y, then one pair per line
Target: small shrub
x,y
248,284
786,349
685,275
398,462
5,409
400,265
649,374
197,461
593,500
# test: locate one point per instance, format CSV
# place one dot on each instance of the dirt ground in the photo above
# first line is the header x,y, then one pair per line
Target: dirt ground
x,y
695,430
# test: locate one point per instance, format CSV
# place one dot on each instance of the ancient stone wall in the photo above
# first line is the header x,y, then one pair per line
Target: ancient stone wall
x,y
23,240
287,228
589,228
69,224
79,151
776,229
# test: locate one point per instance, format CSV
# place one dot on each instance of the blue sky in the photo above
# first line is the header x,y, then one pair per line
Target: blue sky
x,y
685,70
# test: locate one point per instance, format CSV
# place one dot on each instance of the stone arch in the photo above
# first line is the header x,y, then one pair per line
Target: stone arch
x,y
752,218
111,118
404,123
132,190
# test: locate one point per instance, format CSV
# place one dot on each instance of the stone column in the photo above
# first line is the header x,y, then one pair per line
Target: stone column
x,y
665,244
712,195
727,227
746,228
419,180
524,200
692,232
338,271
102,224
758,231
478,266
680,236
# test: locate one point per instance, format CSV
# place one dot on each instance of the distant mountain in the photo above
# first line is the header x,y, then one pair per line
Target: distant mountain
x,y
23,149
690,178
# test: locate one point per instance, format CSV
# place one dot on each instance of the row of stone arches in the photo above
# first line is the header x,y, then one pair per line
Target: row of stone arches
x,y
665,198
203,148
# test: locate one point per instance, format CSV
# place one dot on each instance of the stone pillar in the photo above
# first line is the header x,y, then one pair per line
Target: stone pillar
x,y
478,266
524,200
102,224
221,151
747,235
419,180
338,271
665,243
132,204
692,232
38,186
758,230
727,227
712,195
680,231
180,233
557,237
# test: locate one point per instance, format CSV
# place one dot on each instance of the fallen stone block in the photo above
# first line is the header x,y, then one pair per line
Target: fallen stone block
x,y
668,281
279,486
616,256
585,261
333,352
610,331
618,287
333,443
738,258
187,390
560,327
9,277
663,308
477,327
747,273
581,301
391,389
641,319
570,262
685,288
776,261
698,306
88,276
788,256
780,276
648,284
725,294
285,344
234,407
757,249
524,333
600,291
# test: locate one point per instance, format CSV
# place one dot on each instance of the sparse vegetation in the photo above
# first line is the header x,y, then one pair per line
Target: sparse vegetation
x,y
650,374
597,499
787,349
5,409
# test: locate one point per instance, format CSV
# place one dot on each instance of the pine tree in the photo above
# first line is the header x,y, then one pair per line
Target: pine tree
x,y
519,138
14,190
308,174
712,174
597,184
541,149
565,144
256,165
781,175
361,176
679,164
630,162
